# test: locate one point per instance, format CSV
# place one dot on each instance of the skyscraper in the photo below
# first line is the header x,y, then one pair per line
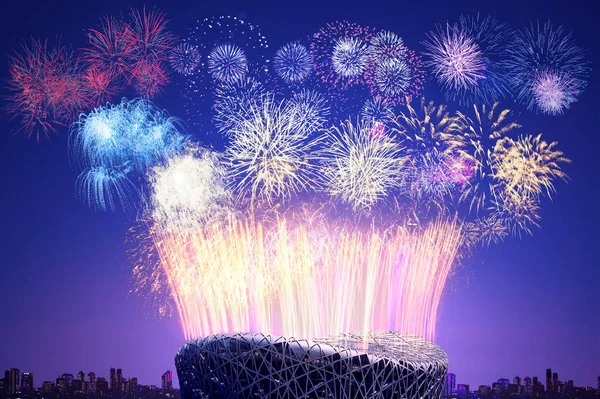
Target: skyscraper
x,y
3,387
462,390
599,383
81,376
13,381
113,379
504,382
528,386
119,380
27,382
167,381
555,382
548,380
450,385
91,377
133,384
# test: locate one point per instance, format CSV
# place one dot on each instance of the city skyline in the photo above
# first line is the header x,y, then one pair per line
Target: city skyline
x,y
65,283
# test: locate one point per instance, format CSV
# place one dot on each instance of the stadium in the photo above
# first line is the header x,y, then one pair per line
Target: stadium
x,y
382,365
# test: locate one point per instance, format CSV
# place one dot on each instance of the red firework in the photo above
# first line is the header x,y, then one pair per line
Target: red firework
x,y
111,47
148,78
99,86
45,87
150,38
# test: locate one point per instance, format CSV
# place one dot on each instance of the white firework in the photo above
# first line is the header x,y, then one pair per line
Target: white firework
x,y
227,63
350,56
292,63
311,107
392,76
387,44
188,190
234,98
357,167
270,151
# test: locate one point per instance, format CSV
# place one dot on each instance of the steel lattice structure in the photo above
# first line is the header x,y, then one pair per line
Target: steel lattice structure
x,y
349,366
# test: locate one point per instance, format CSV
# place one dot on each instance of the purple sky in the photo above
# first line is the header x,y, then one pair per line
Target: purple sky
x,y
515,309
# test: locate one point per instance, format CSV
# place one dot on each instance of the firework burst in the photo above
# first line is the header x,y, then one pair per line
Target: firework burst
x,y
357,167
487,125
113,145
188,190
270,151
548,69
224,32
227,63
292,63
185,58
454,58
46,87
526,168
341,53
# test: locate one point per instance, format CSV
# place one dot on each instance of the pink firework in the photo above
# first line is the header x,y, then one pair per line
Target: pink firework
x,y
455,58
339,51
554,92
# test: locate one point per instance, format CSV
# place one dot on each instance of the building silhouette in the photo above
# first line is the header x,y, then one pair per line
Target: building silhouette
x,y
450,388
113,379
91,377
462,390
12,378
119,380
26,382
548,380
167,381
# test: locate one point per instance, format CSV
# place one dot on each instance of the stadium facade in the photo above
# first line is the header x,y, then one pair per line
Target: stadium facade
x,y
381,365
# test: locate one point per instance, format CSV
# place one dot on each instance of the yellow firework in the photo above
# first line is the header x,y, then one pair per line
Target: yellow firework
x,y
487,124
306,280
526,167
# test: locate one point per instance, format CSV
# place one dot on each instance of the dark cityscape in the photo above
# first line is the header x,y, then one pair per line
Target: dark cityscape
x,y
16,385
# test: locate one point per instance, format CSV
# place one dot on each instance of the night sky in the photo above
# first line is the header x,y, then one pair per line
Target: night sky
x,y
516,308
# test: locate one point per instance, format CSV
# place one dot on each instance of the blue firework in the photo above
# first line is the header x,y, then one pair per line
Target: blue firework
x,y
112,146
292,63
548,70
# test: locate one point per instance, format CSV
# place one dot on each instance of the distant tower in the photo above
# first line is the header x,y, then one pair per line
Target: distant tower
x,y
599,383
555,382
113,379
167,381
548,380
81,376
27,382
450,385
504,382
517,381
13,381
462,390
91,377
119,380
